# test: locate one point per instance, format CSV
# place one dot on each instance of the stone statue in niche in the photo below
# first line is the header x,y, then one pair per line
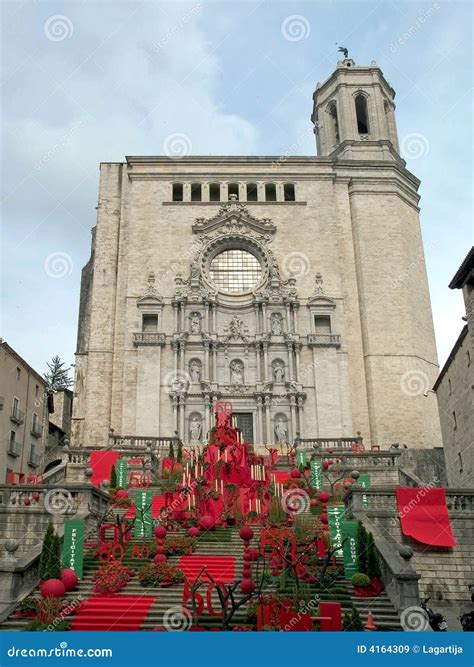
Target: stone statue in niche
x,y
195,323
281,432
195,271
236,372
195,429
236,326
277,325
195,371
279,372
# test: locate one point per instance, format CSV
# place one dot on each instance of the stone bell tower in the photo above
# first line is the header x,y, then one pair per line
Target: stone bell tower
x,y
354,111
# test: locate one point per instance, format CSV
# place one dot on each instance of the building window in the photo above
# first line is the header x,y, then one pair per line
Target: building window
x,y
235,271
252,192
270,192
333,123
12,437
450,389
322,324
455,421
460,462
150,323
18,373
36,391
196,192
177,192
362,115
289,192
468,355
233,189
214,192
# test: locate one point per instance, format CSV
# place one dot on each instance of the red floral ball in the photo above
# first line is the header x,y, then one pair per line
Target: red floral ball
x,y
330,451
27,501
325,465
159,558
207,522
253,553
52,588
36,496
295,473
160,532
313,502
247,555
160,549
324,518
194,532
324,496
69,579
247,586
121,493
246,572
246,533
276,573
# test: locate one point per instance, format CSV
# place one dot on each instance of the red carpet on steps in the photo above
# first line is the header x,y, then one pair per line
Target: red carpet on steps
x,y
221,568
124,613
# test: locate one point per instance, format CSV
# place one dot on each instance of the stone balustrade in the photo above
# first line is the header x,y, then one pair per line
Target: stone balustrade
x,y
306,444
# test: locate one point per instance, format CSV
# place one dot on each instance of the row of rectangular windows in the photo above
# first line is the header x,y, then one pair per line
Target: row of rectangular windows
x,y
233,192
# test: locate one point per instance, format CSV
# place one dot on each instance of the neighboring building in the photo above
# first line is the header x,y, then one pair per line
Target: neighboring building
x,y
294,287
455,389
23,415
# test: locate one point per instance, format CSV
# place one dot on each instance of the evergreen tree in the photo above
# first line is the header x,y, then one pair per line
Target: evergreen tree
x,y
55,563
361,548
179,456
352,622
45,557
373,565
171,451
57,376
113,478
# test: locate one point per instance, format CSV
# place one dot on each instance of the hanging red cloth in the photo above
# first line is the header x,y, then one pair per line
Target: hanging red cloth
x,y
424,516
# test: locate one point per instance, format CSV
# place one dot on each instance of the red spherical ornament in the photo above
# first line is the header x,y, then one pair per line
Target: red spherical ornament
x,y
330,451
194,532
27,501
313,502
295,473
247,555
246,572
324,496
325,465
160,549
324,518
69,579
160,532
276,573
207,522
52,588
246,533
247,586
36,496
121,493
159,558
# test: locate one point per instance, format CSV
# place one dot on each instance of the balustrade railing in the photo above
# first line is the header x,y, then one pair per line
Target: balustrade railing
x,y
328,443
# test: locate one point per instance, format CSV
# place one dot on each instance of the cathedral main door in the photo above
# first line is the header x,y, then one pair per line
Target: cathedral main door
x,y
244,421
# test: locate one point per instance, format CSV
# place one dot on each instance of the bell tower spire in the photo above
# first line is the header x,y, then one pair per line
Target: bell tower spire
x,y
354,114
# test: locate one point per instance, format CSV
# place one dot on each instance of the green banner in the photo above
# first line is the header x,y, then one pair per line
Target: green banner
x,y
349,535
301,458
73,545
364,482
336,514
316,475
121,468
143,524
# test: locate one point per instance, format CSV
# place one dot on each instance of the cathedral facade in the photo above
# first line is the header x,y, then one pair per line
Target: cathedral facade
x,y
293,287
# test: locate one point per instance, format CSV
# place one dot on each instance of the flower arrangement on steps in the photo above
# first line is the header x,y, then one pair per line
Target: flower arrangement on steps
x,y
111,578
160,574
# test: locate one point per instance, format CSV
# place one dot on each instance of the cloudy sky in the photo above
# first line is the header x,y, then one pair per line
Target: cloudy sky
x,y
85,82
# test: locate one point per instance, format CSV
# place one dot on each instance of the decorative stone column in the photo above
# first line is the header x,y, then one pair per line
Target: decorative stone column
x,y
175,412
300,401
265,361
182,426
206,373
297,359
294,310
290,359
258,362
214,369
293,416
260,419
264,317
269,438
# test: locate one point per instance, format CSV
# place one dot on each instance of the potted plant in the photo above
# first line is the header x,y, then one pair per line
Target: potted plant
x,y
360,581
111,578
27,608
